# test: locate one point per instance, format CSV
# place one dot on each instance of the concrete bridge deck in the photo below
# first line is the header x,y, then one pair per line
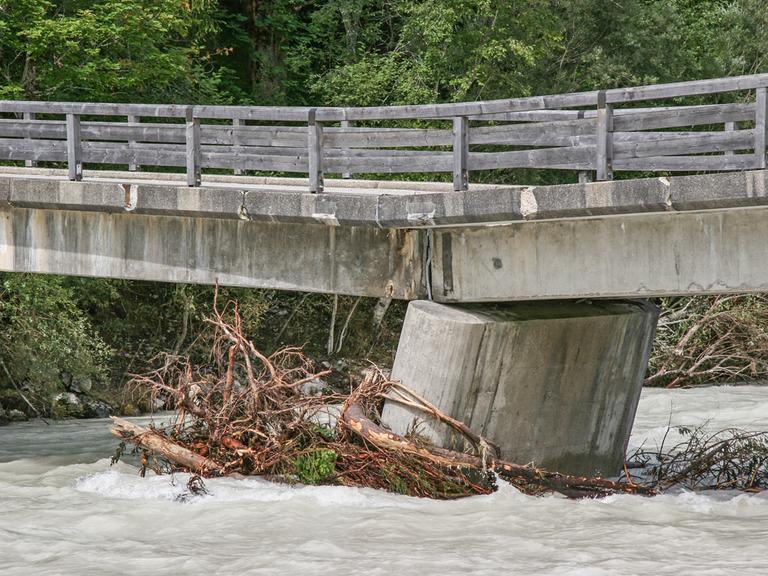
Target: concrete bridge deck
x,y
633,238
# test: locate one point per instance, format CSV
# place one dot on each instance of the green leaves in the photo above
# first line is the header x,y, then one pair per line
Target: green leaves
x,y
124,50
450,50
43,332
316,466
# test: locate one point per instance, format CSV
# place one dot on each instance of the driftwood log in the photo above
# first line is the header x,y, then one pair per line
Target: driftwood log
x,y
572,486
162,446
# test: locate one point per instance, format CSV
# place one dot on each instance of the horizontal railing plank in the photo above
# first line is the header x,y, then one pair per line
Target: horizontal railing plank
x,y
93,109
259,162
435,111
631,118
435,162
691,143
575,157
386,137
276,136
41,150
689,88
559,133
685,116
260,113
686,163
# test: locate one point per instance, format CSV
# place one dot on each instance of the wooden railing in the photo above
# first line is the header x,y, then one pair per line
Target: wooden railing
x,y
589,132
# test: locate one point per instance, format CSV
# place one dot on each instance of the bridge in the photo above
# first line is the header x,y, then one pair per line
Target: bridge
x,y
510,329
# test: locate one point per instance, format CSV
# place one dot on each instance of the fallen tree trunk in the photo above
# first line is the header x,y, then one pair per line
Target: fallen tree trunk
x,y
158,444
522,476
530,479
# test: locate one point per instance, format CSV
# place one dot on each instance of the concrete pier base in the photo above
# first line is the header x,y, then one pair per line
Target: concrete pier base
x,y
553,383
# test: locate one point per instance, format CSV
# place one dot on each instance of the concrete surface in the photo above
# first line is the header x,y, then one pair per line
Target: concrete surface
x,y
552,383
234,252
385,204
624,239
631,256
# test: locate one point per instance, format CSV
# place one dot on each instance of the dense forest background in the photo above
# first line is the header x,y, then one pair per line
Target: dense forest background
x,y
59,333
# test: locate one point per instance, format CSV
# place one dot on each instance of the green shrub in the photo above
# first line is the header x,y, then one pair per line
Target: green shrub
x,y
43,333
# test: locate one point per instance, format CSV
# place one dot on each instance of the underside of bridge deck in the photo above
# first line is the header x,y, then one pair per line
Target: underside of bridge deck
x,y
637,256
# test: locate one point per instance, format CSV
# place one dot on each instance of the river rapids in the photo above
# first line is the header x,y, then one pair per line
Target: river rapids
x,y
64,510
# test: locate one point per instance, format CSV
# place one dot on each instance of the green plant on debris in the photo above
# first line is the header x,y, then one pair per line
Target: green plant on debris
x,y
316,466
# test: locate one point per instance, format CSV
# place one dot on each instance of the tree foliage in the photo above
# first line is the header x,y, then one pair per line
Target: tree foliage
x,y
44,332
117,50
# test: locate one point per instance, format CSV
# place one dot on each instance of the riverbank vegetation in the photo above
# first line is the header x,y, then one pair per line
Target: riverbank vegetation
x,y
68,345
710,340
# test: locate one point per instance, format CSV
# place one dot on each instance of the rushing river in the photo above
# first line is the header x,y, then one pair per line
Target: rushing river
x,y
63,510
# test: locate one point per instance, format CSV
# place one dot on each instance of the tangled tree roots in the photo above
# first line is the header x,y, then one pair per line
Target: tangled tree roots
x,y
245,413
729,459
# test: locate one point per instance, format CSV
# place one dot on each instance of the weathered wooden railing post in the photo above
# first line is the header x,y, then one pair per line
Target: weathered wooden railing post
x,y
74,148
346,124
132,166
194,155
236,141
29,116
604,152
315,151
761,114
460,153
729,127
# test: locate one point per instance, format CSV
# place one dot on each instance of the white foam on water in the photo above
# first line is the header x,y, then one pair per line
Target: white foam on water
x,y
126,483
64,510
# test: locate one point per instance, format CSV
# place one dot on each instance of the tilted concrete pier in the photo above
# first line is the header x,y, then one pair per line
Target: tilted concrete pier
x,y
556,384
527,320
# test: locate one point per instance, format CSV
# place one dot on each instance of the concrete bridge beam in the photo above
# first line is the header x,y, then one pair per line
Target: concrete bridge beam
x,y
554,383
230,251
628,256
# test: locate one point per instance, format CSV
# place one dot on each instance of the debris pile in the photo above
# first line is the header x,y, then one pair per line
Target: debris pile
x,y
244,413
729,459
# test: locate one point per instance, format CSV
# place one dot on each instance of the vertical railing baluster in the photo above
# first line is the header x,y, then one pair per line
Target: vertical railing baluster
x,y
236,142
729,127
761,114
29,116
344,151
604,152
74,148
315,152
460,153
194,156
132,166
